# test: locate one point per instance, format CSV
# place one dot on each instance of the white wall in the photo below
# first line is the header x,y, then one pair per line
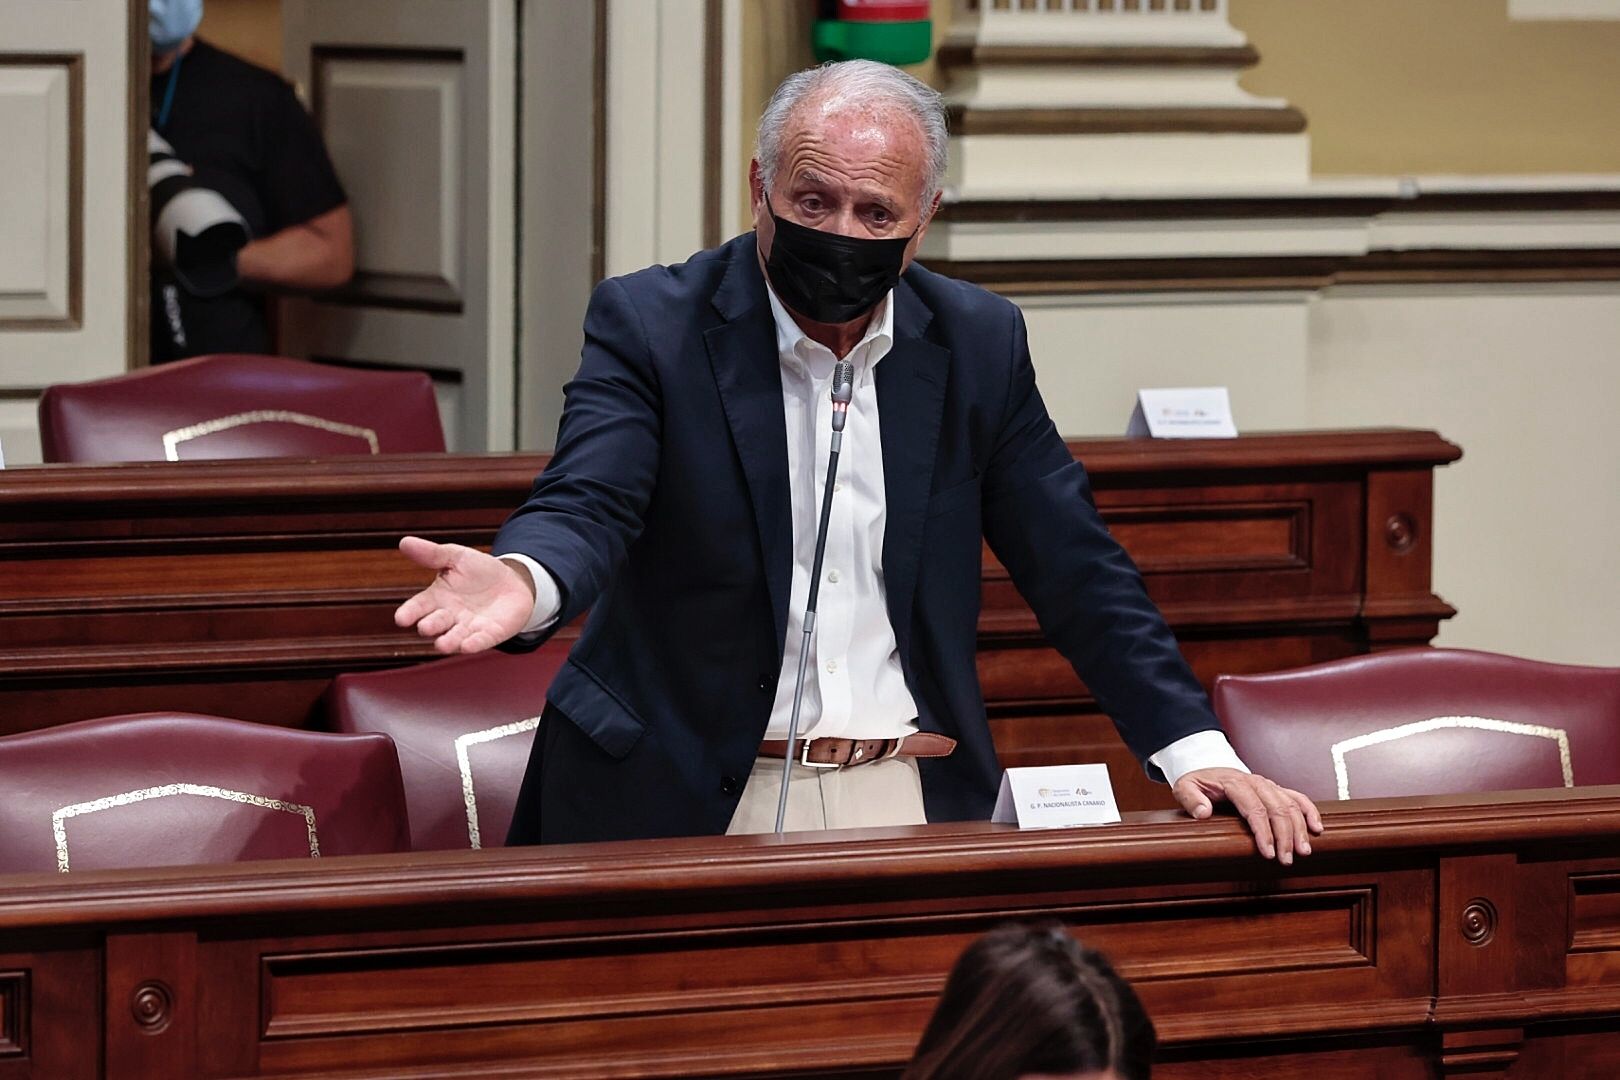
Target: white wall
x,y
655,147
1527,380
64,304
1092,354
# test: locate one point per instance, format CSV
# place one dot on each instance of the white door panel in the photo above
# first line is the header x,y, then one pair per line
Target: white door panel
x,y
416,100
65,308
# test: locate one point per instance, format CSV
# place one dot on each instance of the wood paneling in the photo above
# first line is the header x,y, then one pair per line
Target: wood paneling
x,y
242,587
823,953
1594,903
13,1014
50,1010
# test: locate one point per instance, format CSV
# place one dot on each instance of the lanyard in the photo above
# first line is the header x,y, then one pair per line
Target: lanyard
x,y
168,93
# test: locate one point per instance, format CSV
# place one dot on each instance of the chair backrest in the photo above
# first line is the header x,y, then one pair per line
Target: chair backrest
x,y
167,789
464,726
1426,722
237,406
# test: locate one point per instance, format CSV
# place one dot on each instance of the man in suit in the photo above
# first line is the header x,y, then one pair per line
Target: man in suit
x,y
681,508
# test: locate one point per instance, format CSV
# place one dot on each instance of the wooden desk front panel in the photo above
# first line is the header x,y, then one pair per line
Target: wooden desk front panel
x,y
658,993
1253,576
242,587
823,955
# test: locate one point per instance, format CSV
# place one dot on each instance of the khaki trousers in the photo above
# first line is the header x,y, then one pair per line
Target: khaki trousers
x,y
866,796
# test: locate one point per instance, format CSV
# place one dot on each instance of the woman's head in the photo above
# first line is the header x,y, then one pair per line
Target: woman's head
x,y
1031,1001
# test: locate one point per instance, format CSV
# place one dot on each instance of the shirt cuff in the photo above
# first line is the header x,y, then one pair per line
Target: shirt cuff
x,y
547,597
1200,750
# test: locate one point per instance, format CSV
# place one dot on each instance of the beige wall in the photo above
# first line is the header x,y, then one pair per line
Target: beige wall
x,y
249,28
1092,354
1411,87
1390,86
1402,87
1523,378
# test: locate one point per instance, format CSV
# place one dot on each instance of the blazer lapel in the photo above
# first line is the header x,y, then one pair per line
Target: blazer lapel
x,y
911,400
742,353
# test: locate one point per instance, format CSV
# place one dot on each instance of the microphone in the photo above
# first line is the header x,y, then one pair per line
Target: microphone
x,y
843,388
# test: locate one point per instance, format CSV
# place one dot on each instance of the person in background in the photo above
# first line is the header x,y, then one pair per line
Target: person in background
x,y
244,195
1031,1003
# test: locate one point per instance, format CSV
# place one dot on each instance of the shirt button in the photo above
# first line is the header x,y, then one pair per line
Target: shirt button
x,y
832,576
838,485
832,667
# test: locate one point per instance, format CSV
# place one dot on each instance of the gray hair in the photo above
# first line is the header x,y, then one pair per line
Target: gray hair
x,y
875,86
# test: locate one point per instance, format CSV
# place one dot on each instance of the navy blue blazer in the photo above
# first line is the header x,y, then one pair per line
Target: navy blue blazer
x,y
665,511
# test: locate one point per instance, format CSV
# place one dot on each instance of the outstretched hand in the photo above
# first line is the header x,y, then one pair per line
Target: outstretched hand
x,y
1282,820
475,602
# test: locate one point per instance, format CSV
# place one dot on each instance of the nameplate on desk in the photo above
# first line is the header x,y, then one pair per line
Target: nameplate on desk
x,y
1199,412
1056,797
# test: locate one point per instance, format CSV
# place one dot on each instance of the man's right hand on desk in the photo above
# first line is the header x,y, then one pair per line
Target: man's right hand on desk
x,y
476,601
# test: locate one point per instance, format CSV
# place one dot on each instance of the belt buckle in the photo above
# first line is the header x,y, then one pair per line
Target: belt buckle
x,y
804,758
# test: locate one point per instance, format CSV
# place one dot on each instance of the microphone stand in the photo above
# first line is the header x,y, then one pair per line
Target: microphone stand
x,y
843,388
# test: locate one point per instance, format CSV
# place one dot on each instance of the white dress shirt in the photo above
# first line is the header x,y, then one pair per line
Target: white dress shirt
x,y
854,684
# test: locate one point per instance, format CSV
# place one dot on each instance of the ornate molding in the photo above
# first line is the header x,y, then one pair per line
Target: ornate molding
x,y
173,439
1341,750
1078,74
1047,277
466,742
969,54
60,816
1478,922
1136,120
152,1007
1479,1053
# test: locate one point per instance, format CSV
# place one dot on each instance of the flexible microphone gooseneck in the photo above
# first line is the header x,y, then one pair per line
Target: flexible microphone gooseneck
x,y
843,388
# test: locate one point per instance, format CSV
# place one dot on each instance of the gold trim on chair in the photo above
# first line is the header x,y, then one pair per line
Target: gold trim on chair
x,y
59,817
1341,770
471,739
173,439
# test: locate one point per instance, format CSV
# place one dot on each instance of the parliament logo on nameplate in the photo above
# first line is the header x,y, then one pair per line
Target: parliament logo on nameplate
x,y
1056,797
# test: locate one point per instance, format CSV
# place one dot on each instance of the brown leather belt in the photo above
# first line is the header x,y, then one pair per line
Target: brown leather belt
x,y
848,753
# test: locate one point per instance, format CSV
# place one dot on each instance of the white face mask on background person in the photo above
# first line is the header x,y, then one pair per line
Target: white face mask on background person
x,y
172,22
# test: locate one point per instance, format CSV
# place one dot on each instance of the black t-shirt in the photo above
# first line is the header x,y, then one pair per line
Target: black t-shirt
x,y
246,135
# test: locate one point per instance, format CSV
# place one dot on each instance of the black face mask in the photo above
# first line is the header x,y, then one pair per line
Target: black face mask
x,y
831,278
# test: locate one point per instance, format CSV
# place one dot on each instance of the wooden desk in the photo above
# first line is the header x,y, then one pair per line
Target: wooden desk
x,y
1437,937
242,587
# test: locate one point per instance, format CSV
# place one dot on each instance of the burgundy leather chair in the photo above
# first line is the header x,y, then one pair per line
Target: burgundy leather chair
x,y
464,726
1426,722
238,406
167,789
